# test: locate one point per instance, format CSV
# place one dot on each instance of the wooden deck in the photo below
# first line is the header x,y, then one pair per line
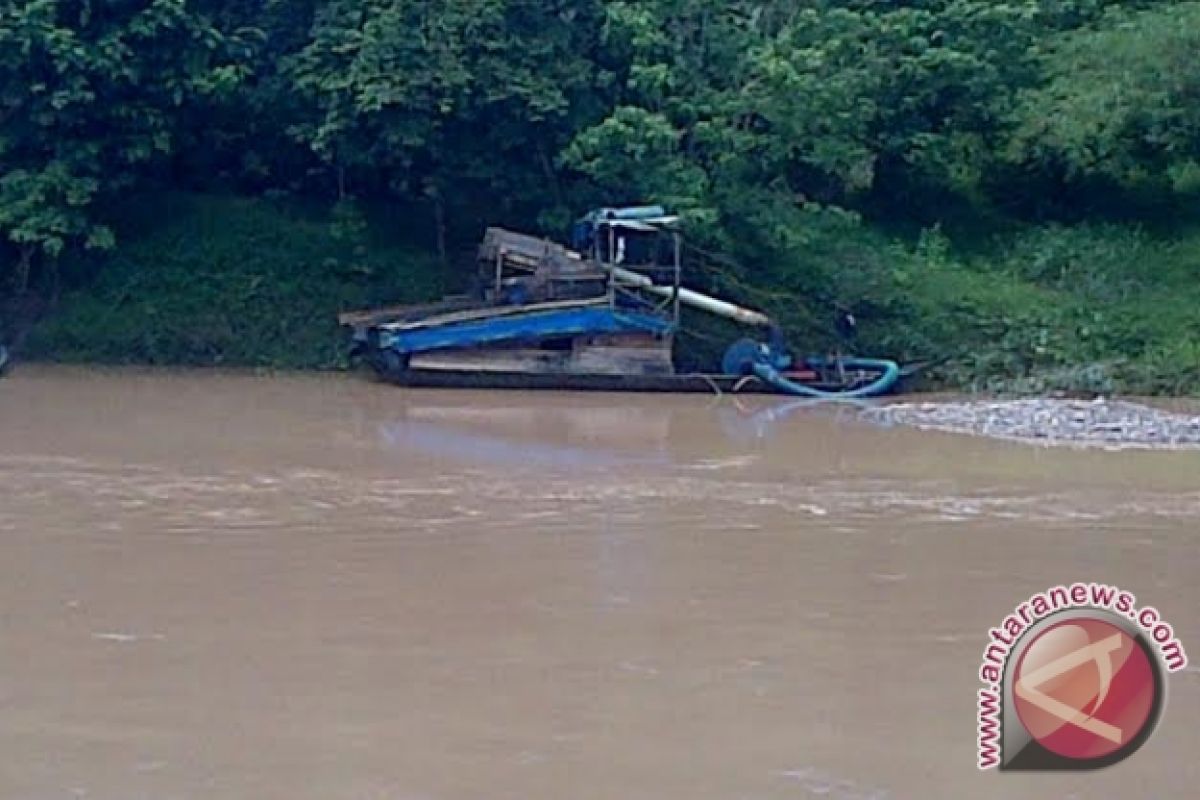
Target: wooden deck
x,y
618,354
476,312
392,314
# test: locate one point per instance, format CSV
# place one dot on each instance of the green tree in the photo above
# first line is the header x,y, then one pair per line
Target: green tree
x,y
442,98
89,94
1121,100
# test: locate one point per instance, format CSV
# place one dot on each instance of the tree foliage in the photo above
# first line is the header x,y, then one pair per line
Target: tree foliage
x,y
89,95
1120,99
728,110
781,130
434,97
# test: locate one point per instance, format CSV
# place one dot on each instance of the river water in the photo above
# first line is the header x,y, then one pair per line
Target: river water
x,y
233,586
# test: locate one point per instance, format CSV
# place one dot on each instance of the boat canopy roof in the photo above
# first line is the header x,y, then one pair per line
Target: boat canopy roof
x,y
637,218
650,225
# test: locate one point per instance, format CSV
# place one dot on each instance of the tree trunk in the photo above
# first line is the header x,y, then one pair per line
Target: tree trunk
x,y
24,267
551,175
439,219
55,283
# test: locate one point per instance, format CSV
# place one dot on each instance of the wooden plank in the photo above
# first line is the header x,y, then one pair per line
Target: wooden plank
x,y
622,361
515,360
643,340
494,311
378,316
582,359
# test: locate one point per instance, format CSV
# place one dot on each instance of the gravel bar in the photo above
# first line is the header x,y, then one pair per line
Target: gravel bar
x,y
1104,423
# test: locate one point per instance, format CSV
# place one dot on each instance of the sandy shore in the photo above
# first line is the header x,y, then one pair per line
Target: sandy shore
x,y
1113,424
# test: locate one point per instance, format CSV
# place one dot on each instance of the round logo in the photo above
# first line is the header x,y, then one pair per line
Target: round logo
x,y
1086,689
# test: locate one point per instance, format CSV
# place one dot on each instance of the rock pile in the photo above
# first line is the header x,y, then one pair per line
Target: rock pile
x,y
1100,423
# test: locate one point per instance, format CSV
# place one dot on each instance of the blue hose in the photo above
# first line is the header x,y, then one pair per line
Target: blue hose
x,y
771,376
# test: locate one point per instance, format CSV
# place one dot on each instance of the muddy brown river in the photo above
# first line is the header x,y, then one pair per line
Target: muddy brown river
x,y
292,587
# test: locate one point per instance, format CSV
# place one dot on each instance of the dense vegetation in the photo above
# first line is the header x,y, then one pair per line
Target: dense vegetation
x,y
1009,189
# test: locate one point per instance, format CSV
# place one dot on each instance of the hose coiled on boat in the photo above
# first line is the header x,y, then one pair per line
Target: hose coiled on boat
x,y
887,381
767,362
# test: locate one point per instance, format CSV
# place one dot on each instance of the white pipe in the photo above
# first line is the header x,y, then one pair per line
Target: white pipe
x,y
694,299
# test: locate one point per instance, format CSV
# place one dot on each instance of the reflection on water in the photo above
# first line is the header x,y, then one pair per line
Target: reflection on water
x,y
740,420
586,434
304,586
516,436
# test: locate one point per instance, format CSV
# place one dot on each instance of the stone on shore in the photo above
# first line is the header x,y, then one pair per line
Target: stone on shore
x,y
1098,423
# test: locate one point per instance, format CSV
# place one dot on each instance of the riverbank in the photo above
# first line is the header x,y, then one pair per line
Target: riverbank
x,y
204,280
1104,423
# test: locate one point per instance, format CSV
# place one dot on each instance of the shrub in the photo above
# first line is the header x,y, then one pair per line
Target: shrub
x,y
203,280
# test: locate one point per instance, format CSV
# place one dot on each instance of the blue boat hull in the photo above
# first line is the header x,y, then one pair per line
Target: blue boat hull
x,y
532,326
492,341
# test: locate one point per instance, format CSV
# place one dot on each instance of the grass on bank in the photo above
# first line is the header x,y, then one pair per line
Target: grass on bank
x,y
208,280
1086,309
205,280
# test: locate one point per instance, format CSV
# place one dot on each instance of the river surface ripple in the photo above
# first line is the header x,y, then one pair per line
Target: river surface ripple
x,y
216,585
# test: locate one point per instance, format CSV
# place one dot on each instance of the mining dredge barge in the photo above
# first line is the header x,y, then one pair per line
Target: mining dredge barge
x,y
599,315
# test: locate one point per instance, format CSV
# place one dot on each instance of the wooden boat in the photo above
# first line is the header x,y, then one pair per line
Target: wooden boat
x,y
599,317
